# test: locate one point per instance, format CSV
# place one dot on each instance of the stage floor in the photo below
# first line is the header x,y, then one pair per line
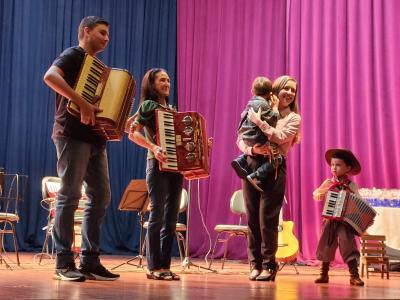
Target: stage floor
x,y
33,281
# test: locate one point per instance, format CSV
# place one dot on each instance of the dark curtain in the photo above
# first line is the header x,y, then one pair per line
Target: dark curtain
x,y
32,34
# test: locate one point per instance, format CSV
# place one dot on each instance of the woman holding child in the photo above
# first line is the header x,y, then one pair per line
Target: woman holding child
x,y
263,208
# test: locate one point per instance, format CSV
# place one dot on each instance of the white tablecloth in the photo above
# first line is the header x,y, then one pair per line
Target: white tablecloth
x,y
387,222
386,202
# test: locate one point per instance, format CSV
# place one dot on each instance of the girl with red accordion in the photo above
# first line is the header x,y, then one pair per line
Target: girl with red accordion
x,y
337,233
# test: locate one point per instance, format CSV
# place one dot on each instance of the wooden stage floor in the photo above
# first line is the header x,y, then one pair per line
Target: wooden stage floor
x,y
33,281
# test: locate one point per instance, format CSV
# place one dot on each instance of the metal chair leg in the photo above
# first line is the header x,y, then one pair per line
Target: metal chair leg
x,y
226,249
213,250
15,242
181,244
45,248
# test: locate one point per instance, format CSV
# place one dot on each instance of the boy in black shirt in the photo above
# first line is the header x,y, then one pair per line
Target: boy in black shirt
x,y
82,158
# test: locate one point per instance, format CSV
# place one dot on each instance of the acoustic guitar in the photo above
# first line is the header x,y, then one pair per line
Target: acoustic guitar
x,y
288,245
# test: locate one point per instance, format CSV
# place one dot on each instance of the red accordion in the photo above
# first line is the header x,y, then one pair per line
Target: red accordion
x,y
183,136
350,208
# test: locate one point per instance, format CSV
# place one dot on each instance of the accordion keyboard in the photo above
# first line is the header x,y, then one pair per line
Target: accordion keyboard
x,y
90,84
334,204
167,140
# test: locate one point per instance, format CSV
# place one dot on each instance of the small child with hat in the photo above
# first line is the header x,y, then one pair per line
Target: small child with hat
x,y
336,233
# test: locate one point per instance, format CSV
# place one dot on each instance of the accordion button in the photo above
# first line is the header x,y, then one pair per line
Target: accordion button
x,y
187,120
189,146
190,157
188,130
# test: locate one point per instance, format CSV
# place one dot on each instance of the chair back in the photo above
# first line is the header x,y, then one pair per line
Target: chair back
x,y
50,187
184,200
237,205
13,190
373,245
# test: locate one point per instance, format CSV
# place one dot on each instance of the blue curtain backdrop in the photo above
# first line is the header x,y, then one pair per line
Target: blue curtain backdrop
x,y
32,34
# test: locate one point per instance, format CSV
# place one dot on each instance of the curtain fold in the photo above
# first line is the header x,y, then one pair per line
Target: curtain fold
x,y
222,47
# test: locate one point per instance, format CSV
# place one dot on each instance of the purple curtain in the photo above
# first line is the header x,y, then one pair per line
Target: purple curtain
x,y
343,55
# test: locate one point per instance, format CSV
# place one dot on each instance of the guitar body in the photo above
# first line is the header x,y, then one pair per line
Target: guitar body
x,y
288,245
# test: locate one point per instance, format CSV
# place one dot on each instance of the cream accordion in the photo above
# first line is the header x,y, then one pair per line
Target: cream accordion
x,y
111,90
350,208
183,136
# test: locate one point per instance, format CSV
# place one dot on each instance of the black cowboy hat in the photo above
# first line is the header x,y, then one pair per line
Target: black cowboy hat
x,y
347,156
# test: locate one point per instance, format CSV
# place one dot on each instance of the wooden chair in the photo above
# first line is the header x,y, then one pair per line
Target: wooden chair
x,y
373,252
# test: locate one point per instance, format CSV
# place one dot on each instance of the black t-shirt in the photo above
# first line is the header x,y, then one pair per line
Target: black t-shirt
x,y
65,124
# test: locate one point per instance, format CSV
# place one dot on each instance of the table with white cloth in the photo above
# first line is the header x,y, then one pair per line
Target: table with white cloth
x,y
386,202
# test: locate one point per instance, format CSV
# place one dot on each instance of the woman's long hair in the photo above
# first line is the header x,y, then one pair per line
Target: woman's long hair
x,y
148,92
277,86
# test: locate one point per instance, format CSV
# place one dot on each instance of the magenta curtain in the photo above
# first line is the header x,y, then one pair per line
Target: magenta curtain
x,y
342,52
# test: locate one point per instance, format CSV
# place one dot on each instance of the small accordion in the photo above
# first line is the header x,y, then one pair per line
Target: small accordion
x,y
111,90
183,136
350,208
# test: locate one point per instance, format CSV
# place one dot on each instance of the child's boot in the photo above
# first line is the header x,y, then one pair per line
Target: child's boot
x,y
323,274
354,276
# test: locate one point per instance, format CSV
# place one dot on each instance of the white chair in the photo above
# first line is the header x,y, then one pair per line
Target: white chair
x,y
225,232
180,227
50,187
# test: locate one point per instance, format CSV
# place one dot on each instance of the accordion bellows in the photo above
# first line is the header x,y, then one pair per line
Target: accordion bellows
x,y
350,208
111,90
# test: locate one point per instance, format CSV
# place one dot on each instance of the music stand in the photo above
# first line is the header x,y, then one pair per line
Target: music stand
x,y
186,263
135,198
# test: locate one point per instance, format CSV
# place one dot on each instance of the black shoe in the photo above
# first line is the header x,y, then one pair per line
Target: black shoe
x,y
69,274
267,275
239,167
98,272
356,280
322,279
252,178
